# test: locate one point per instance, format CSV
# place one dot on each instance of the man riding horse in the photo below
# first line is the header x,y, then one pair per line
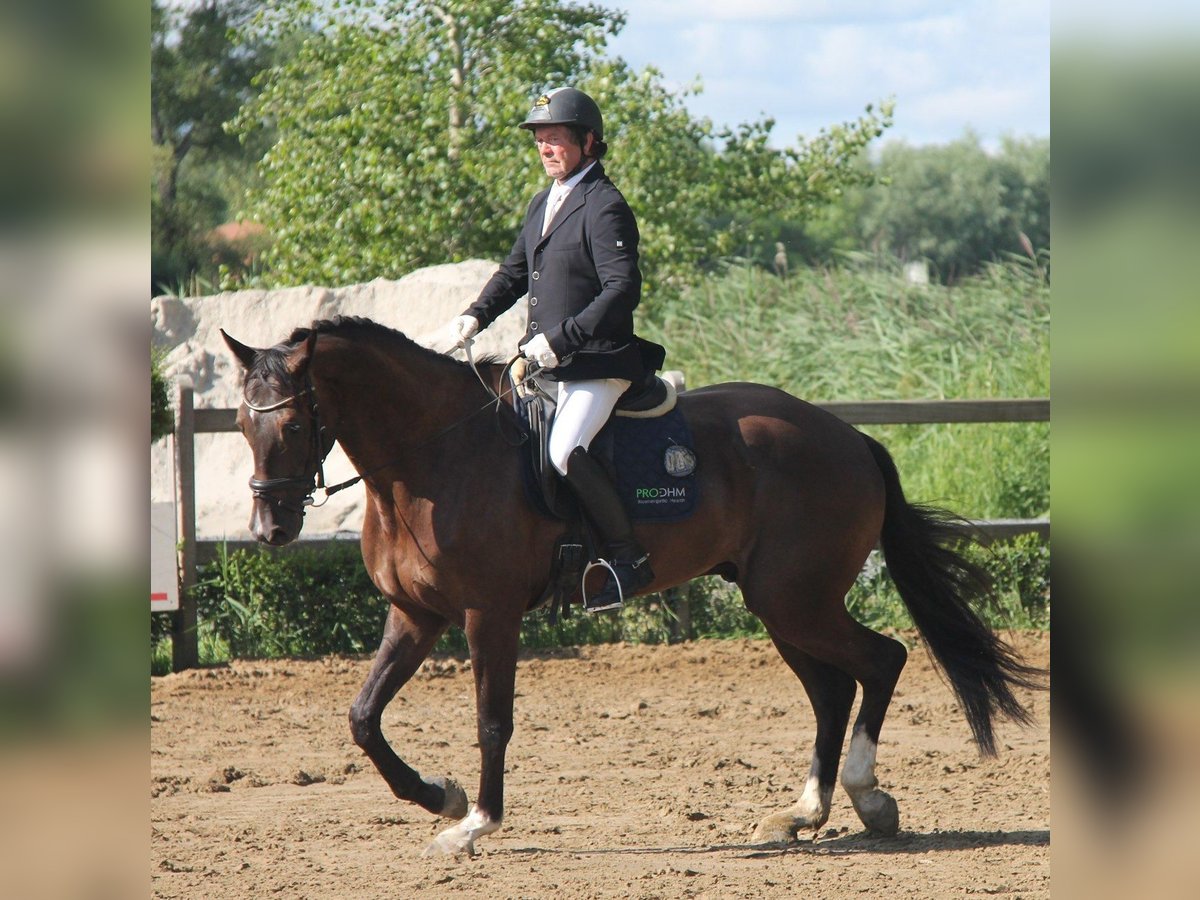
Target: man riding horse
x,y
792,500
577,259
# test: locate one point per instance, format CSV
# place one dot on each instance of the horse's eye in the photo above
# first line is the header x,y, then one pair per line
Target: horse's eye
x,y
293,427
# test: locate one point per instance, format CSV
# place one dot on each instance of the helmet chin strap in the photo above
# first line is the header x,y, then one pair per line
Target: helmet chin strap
x,y
575,171
584,162
584,159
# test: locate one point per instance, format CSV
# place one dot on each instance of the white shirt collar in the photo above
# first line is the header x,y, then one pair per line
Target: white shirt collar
x,y
563,189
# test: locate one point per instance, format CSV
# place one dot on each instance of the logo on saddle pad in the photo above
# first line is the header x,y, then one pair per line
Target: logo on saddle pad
x,y
648,496
679,461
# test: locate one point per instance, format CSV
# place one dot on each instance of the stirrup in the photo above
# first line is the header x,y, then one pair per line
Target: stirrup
x,y
635,582
612,573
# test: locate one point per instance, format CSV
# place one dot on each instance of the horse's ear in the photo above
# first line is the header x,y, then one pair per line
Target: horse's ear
x,y
244,354
299,360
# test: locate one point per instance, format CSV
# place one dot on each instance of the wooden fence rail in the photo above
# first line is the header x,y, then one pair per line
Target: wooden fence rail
x,y
191,421
867,412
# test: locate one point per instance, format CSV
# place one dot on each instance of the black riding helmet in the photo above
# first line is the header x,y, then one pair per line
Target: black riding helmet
x,y
566,106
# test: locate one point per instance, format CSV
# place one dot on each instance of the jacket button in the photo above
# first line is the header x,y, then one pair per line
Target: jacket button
x,y
533,301
533,326
535,276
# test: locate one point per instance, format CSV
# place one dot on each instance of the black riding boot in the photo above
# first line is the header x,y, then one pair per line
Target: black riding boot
x,y
624,555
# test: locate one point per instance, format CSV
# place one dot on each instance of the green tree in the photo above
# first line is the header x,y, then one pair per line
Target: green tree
x,y
397,146
199,79
957,205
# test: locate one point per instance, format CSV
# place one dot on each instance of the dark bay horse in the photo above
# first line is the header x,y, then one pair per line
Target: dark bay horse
x,y
791,501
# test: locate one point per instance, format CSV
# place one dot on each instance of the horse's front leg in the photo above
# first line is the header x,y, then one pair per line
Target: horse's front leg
x,y
408,636
493,639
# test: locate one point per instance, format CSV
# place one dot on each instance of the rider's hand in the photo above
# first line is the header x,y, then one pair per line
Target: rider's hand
x,y
464,328
538,350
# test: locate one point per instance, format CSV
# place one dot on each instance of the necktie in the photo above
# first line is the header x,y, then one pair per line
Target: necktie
x,y
553,202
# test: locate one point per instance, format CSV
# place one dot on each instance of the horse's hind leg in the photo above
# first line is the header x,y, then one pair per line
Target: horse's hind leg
x,y
831,693
819,625
408,636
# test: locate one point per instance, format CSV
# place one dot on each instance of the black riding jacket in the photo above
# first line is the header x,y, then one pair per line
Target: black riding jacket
x,y
583,282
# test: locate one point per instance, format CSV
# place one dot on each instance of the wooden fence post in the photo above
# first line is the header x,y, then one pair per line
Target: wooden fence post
x,y
683,610
677,599
185,645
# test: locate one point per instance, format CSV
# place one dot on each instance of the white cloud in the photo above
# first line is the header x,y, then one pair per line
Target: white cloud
x,y
950,65
992,110
937,29
965,103
867,62
719,49
680,12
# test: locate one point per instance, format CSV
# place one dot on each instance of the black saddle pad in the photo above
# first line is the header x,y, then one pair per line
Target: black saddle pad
x,y
653,459
655,465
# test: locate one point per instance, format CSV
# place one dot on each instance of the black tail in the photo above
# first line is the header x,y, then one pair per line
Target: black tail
x,y
938,586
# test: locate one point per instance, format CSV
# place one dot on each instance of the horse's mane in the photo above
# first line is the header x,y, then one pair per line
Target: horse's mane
x,y
272,363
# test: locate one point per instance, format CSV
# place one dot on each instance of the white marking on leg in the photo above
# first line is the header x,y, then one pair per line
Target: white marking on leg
x,y
460,837
876,808
810,811
813,805
858,775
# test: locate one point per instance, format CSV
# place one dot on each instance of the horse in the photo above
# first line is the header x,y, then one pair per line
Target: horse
x,y
791,502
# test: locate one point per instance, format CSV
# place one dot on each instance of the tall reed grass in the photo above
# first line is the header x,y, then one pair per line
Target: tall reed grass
x,y
861,332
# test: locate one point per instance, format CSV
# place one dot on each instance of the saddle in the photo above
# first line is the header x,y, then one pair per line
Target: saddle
x,y
649,436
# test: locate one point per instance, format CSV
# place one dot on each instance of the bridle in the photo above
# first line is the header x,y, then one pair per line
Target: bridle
x,y
269,488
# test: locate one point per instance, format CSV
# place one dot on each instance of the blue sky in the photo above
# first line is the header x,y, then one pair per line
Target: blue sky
x,y
982,64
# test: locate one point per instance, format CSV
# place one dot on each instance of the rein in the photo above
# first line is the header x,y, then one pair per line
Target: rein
x,y
262,488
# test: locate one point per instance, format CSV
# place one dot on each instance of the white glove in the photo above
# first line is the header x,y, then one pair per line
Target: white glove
x,y
464,328
538,350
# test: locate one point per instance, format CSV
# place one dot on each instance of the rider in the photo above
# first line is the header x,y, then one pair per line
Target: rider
x,y
577,258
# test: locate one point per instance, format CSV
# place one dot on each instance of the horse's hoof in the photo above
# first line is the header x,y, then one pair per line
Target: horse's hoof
x,y
880,814
459,838
455,806
775,829
448,844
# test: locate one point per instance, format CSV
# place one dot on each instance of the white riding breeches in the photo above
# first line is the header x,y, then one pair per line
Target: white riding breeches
x,y
583,409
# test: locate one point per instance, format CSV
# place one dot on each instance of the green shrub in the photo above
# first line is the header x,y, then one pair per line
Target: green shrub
x,y
958,205
160,654
296,603
1020,570
262,603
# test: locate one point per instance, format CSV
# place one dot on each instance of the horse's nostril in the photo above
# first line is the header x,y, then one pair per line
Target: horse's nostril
x,y
269,533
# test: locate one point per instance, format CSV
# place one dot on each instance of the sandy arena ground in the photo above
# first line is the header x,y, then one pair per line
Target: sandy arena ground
x,y
634,771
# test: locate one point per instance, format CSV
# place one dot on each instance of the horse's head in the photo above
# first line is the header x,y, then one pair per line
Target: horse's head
x,y
278,416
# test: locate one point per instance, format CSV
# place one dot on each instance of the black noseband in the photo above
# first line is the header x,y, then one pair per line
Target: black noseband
x,y
268,489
